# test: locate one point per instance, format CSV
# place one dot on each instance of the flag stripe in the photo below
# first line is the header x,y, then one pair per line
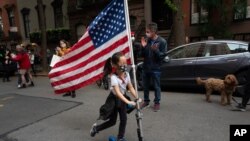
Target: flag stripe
x,y
86,80
93,56
79,85
84,63
83,74
71,75
69,64
80,47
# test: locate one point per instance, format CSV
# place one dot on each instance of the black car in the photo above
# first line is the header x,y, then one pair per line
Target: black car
x,y
214,58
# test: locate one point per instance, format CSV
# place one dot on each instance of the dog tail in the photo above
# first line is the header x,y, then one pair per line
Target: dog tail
x,y
200,81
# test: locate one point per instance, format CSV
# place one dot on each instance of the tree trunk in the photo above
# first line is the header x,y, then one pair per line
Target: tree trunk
x,y
43,32
178,24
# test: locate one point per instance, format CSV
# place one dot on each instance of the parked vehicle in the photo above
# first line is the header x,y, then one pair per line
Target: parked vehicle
x,y
205,59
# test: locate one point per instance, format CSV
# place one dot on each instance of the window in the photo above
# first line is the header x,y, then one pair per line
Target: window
x,y
241,9
198,14
218,49
132,22
177,53
195,50
26,21
236,48
84,3
1,23
11,17
58,13
244,48
190,51
242,37
80,29
161,14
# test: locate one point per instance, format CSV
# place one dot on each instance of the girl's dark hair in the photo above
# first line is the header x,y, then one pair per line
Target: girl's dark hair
x,y
108,66
66,42
116,57
113,60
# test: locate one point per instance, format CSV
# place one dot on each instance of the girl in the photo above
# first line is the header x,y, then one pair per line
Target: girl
x,y
61,51
120,81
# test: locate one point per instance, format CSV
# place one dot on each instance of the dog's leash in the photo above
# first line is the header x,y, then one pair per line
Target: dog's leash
x,y
237,101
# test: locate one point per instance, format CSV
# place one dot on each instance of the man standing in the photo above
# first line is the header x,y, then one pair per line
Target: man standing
x,y
246,96
153,49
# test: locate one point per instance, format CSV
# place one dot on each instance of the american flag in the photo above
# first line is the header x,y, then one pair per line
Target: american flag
x,y
83,65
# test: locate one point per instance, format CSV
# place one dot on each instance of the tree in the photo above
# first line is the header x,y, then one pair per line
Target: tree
x,y
44,38
178,23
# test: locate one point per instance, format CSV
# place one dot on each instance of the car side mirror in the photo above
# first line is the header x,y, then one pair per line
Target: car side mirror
x,y
166,59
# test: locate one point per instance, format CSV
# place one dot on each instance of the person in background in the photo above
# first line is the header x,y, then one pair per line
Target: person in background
x,y
152,50
63,49
32,60
24,65
6,65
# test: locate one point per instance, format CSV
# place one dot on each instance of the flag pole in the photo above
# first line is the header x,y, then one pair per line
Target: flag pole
x,y
130,44
138,112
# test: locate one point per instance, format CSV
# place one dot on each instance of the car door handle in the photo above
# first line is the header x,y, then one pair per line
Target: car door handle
x,y
190,62
232,60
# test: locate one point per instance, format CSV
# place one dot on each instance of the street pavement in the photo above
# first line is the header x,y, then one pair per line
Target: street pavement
x,y
37,114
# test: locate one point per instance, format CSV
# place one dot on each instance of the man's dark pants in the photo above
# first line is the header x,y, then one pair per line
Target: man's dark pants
x,y
155,76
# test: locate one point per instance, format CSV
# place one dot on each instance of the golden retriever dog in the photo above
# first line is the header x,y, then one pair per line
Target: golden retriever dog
x,y
225,87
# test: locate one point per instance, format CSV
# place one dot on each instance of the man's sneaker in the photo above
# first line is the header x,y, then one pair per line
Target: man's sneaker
x,y
93,130
239,108
156,107
19,86
144,105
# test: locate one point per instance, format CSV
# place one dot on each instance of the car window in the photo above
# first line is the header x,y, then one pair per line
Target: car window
x,y
225,48
243,48
177,53
218,49
194,50
236,48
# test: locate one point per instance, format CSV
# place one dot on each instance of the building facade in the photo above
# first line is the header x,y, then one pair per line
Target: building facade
x,y
143,12
19,18
55,11
10,31
238,19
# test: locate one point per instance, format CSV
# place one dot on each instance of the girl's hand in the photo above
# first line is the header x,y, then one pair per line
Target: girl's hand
x,y
132,103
